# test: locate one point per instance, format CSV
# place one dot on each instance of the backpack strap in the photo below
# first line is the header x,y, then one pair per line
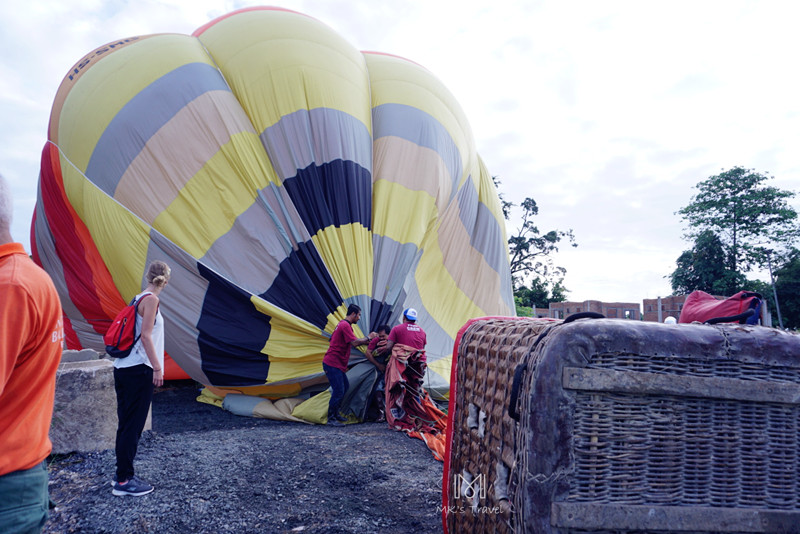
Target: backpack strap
x,y
137,302
136,312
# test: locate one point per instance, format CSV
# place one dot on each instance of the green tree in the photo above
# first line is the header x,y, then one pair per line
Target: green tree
x,y
504,204
531,251
529,254
787,285
704,268
747,216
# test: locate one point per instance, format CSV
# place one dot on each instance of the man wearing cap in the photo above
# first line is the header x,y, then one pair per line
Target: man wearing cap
x,y
404,373
408,333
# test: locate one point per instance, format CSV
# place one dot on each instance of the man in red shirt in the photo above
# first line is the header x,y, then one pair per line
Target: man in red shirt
x,y
336,359
408,333
31,335
378,355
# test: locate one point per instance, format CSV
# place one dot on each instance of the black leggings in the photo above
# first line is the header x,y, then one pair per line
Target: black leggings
x,y
134,387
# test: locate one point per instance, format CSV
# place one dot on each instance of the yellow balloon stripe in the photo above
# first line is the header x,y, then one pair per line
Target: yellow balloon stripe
x,y
347,252
120,236
399,81
301,64
291,340
442,368
102,91
487,195
440,294
315,409
292,370
391,216
243,158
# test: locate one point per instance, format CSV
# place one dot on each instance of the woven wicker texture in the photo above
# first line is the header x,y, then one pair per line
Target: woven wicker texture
x,y
678,451
630,427
482,451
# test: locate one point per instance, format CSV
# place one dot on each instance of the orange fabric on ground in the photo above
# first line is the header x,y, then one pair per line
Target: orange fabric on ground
x,y
409,407
31,335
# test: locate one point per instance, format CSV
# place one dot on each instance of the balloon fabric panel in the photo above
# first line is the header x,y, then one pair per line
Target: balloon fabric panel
x,y
283,175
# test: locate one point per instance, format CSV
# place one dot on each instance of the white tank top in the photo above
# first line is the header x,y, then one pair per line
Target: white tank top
x,y
138,355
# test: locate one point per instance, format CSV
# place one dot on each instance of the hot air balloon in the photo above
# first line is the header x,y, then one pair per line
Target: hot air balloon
x,y
283,175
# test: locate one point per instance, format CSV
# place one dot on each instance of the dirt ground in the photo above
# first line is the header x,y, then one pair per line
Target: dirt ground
x,y
216,472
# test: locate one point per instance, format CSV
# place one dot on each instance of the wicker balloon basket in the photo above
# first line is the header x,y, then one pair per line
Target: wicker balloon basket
x,y
608,426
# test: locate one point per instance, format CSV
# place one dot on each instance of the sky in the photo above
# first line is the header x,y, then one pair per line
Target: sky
x,y
607,114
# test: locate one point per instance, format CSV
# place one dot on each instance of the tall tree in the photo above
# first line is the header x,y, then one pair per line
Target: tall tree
x,y
748,216
531,250
540,293
705,268
504,204
787,285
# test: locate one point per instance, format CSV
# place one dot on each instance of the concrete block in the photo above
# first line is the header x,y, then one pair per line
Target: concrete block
x,y
85,408
79,355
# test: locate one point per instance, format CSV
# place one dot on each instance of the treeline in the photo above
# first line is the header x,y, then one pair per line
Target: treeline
x,y
737,225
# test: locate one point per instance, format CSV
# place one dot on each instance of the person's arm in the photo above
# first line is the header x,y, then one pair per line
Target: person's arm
x,y
149,307
390,341
371,357
358,341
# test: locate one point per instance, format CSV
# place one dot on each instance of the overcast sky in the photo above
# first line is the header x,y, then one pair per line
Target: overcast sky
x,y
606,113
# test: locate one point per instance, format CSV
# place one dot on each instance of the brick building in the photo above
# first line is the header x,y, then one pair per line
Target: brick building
x,y
540,312
658,309
612,310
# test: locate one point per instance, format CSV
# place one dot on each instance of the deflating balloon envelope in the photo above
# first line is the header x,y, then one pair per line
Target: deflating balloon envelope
x,y
283,175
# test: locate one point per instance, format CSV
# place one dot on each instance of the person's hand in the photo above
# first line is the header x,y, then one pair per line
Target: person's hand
x,y
158,377
381,368
372,335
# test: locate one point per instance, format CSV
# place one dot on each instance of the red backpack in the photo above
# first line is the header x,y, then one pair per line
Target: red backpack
x,y
121,335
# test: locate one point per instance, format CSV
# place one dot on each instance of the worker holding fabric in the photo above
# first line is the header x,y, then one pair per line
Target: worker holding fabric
x,y
378,354
335,361
408,405
377,351
409,332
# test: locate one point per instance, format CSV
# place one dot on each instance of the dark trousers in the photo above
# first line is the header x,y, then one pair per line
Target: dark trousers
x,y
339,386
134,387
24,500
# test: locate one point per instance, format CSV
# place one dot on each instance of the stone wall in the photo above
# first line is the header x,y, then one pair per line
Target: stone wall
x,y
85,408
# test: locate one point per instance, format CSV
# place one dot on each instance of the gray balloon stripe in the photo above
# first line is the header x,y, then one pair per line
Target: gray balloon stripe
x,y
418,127
128,132
319,136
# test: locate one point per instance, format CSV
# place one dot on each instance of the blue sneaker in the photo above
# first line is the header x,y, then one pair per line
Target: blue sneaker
x,y
135,487
334,422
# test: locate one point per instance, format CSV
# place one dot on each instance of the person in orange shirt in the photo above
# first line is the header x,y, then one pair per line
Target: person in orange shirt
x,y
31,339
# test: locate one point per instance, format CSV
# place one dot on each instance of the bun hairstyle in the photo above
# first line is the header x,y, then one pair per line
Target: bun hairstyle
x,y
158,273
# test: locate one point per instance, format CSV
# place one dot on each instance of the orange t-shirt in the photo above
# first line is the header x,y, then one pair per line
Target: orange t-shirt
x,y
31,335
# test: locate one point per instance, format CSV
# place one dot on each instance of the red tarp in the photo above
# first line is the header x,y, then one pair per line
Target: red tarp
x,y
408,406
702,307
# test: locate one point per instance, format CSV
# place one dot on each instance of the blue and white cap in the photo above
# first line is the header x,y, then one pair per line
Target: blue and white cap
x,y
410,314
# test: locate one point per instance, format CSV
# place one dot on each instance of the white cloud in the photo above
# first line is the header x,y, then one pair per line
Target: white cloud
x,y
607,113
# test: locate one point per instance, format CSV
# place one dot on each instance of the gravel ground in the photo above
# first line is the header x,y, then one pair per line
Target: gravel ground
x,y
216,472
